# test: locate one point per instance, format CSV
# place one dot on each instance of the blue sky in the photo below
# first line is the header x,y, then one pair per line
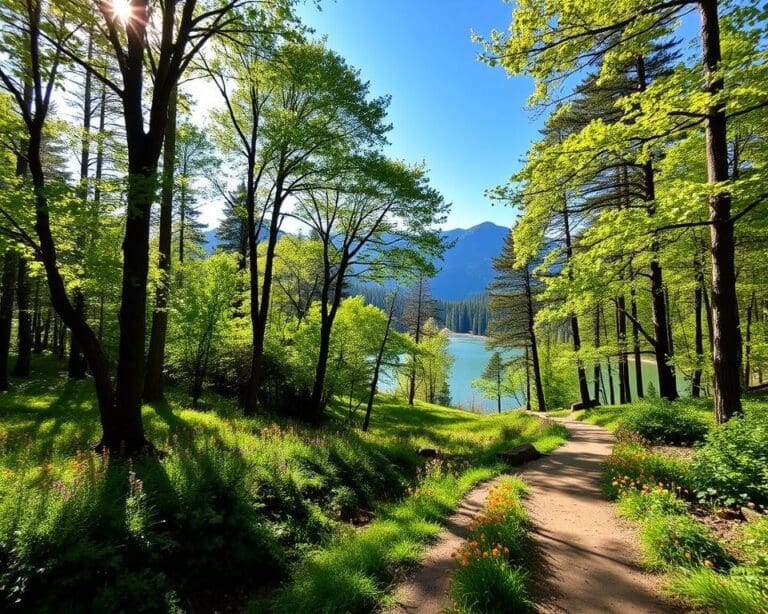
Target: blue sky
x,y
465,120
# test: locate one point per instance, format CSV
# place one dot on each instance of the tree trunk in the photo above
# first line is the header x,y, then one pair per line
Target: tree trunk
x,y
8,289
621,334
154,378
667,383
725,311
47,330
596,374
581,372
527,380
77,365
260,312
636,349
498,390
698,329
24,333
417,338
377,366
125,428
538,384
37,322
748,342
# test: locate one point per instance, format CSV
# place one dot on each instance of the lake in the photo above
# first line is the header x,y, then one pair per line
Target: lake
x,y
471,356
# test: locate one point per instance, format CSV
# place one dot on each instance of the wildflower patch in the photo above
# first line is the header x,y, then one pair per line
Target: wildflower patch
x,y
490,576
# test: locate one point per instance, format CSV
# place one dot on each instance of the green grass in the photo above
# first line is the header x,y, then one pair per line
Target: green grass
x,y
491,575
353,574
612,416
235,504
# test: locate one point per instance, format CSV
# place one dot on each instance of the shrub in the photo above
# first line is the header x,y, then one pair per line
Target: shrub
x,y
632,465
732,465
679,541
646,502
664,422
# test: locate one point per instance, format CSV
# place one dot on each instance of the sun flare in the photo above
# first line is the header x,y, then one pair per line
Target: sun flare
x,y
122,10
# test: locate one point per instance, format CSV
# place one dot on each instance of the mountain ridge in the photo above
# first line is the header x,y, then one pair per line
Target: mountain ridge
x,y
467,266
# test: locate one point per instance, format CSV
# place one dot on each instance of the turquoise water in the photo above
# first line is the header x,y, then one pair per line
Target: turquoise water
x,y
471,356
470,359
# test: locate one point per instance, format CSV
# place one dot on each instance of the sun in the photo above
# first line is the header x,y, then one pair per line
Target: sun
x,y
122,9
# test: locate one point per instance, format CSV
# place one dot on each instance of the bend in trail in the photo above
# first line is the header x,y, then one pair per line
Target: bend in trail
x,y
587,558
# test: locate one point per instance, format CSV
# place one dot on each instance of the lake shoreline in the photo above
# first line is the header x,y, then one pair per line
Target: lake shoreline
x,y
467,335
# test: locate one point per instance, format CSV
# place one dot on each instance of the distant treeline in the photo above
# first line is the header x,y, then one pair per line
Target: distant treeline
x,y
469,315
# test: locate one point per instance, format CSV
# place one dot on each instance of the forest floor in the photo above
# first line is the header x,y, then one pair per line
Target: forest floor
x,y
587,558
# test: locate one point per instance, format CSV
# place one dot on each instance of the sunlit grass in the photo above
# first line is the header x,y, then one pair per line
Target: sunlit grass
x,y
241,500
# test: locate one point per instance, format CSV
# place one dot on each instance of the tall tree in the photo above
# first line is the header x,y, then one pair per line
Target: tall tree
x,y
380,219
515,302
289,121
550,41
159,49
419,307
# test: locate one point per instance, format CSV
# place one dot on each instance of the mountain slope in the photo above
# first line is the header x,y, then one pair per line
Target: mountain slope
x,y
468,268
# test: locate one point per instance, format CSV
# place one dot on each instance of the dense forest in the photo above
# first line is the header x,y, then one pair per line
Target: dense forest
x,y
187,429
626,250
468,315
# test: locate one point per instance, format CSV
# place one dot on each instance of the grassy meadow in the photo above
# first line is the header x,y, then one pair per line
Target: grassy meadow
x,y
234,506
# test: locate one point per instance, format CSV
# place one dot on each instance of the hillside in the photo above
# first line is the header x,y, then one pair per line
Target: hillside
x,y
468,266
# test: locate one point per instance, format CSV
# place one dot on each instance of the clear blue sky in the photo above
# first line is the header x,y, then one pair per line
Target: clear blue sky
x,y
465,120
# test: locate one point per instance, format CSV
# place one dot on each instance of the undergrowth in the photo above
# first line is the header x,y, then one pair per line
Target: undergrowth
x,y
491,575
233,506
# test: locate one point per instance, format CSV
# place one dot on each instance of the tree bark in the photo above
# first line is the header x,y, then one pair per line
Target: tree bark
x,y
154,378
725,311
541,404
748,341
327,317
698,301
377,365
667,383
24,321
575,334
37,322
621,334
417,338
597,369
8,289
636,349
260,306
77,364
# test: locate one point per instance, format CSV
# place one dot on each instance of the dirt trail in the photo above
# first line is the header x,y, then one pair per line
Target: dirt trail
x,y
588,558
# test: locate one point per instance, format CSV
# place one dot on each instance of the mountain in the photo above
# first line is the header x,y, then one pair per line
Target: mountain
x,y
467,268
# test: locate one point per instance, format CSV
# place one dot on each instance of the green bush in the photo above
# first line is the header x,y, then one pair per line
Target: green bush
x,y
656,501
755,544
732,465
632,465
665,422
679,541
